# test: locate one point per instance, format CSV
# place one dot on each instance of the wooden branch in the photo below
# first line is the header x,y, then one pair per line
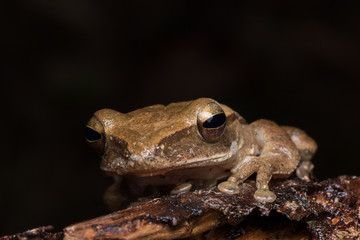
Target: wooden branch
x,y
320,210
35,234
331,210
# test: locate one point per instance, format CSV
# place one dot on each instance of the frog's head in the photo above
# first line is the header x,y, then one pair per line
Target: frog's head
x,y
157,139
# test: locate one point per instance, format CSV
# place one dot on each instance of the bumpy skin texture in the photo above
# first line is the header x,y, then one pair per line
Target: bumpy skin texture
x,y
272,153
169,145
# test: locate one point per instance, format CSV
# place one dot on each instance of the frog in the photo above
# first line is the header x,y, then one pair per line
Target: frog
x,y
193,145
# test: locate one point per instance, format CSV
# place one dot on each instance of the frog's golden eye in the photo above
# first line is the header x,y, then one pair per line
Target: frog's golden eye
x,y
211,122
94,135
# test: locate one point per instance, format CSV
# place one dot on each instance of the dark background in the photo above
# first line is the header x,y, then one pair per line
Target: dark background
x,y
296,64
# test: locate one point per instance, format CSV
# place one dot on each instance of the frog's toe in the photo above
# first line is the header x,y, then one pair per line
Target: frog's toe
x,y
229,187
265,195
304,170
181,188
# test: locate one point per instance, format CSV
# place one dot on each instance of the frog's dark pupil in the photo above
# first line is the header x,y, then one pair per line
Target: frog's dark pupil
x,y
92,135
215,121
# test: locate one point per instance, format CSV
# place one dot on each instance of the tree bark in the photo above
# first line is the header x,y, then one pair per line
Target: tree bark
x,y
303,210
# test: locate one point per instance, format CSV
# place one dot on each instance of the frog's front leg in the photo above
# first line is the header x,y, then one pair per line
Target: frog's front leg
x,y
114,197
264,174
277,155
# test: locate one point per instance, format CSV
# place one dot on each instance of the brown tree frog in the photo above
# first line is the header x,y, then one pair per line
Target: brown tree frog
x,y
194,144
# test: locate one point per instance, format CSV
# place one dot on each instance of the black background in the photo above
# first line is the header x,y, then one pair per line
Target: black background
x,y
296,64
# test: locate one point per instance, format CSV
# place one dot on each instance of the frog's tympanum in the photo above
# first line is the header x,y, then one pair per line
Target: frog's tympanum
x,y
191,145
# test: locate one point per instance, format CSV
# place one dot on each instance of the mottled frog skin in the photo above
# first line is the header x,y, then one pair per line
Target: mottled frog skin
x,y
194,144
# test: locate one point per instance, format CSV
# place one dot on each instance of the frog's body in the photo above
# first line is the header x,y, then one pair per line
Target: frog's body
x,y
196,142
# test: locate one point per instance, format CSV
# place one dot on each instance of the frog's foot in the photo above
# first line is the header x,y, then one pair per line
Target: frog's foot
x,y
240,174
181,188
304,170
263,177
264,195
230,186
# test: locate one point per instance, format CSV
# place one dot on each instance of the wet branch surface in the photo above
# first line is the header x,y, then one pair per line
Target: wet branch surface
x,y
303,210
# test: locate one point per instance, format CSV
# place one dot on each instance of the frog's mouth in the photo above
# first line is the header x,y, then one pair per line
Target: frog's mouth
x,y
163,167
152,165
202,161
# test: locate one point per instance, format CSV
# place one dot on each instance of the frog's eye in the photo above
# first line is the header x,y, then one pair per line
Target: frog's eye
x,y
211,122
94,135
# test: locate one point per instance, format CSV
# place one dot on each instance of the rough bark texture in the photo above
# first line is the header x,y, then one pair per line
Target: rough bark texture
x,y
35,234
303,210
